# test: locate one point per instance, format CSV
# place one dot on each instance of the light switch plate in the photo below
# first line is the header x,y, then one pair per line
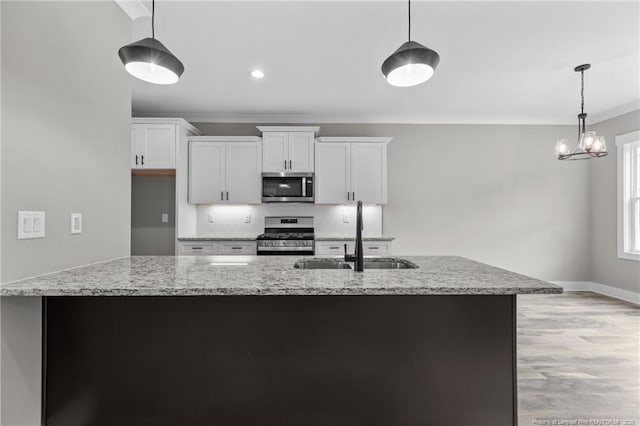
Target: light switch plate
x,y
211,218
76,223
247,219
31,224
165,217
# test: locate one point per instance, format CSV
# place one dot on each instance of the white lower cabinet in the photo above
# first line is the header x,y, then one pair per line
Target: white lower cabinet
x,y
196,249
245,248
217,248
369,247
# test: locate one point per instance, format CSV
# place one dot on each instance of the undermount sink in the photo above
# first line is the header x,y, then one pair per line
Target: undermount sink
x,y
389,264
382,263
321,264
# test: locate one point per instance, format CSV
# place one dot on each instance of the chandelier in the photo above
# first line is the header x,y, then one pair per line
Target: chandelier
x,y
589,144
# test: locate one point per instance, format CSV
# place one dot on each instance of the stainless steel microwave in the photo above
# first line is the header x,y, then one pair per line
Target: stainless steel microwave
x,y
287,188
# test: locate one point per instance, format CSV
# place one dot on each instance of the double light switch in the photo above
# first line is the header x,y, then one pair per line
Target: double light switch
x,y
30,225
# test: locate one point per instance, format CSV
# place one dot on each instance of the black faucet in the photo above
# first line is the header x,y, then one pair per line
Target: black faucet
x,y
357,258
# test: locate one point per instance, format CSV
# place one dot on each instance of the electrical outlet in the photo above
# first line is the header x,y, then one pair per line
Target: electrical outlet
x,y
76,223
247,219
345,218
211,218
30,225
165,217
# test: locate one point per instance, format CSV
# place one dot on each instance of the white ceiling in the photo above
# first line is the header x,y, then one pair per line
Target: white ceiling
x,y
501,62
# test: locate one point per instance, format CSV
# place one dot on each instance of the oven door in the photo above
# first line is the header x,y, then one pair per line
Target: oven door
x,y
287,188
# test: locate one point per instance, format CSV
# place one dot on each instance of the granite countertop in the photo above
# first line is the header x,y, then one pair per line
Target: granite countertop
x,y
273,275
217,239
323,238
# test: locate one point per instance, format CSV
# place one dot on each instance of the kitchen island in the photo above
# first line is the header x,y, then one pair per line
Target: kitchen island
x,y
252,340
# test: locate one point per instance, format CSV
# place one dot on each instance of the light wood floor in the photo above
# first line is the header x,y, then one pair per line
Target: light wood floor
x,y
578,360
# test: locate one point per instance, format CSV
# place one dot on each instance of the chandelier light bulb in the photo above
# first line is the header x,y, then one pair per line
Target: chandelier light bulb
x,y
587,140
562,147
599,144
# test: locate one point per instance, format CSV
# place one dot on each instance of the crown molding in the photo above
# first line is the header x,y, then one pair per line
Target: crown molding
x,y
364,119
134,8
289,119
614,112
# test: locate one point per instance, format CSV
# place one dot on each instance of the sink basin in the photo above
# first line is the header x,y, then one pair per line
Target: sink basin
x,y
389,264
321,264
382,263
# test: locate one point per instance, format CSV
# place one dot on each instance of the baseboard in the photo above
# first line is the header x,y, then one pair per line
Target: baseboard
x,y
606,290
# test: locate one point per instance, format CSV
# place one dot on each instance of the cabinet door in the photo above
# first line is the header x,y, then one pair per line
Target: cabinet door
x,y
332,173
243,172
159,146
137,147
206,172
274,152
301,152
369,172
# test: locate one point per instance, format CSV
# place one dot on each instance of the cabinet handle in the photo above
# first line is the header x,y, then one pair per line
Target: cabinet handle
x,y
227,195
136,160
348,195
221,195
353,197
373,248
290,166
334,248
285,164
142,157
196,248
236,248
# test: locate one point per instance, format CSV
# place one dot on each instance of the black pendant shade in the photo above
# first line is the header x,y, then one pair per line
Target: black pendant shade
x,y
151,61
411,64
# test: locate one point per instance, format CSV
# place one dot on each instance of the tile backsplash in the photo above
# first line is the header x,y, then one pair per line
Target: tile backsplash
x,y
248,220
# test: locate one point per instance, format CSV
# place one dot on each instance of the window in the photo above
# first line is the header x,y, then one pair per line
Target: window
x,y
629,195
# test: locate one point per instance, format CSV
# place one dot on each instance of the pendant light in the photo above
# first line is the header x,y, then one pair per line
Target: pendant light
x,y
589,144
150,60
411,64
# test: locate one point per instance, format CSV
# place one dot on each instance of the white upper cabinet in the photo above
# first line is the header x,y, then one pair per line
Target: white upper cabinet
x,y
224,170
275,147
153,142
301,152
351,169
369,172
243,172
333,173
207,172
288,149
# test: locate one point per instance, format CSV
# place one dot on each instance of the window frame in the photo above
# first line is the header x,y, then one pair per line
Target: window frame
x,y
626,181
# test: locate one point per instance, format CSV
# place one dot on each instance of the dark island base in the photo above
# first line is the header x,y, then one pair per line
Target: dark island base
x,y
280,361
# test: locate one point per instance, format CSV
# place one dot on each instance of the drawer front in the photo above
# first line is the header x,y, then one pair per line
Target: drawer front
x,y
196,249
236,247
376,248
332,248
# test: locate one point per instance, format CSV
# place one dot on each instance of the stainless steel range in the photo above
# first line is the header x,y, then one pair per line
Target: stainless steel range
x,y
287,236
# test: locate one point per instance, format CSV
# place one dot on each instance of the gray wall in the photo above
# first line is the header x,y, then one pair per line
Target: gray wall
x,y
65,148
496,194
606,267
151,196
66,105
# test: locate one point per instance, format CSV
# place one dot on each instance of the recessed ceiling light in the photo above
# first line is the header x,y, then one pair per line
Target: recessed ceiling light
x,y
257,74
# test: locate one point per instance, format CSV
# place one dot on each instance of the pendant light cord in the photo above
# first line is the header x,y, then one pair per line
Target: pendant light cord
x,y
409,20
153,18
582,92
